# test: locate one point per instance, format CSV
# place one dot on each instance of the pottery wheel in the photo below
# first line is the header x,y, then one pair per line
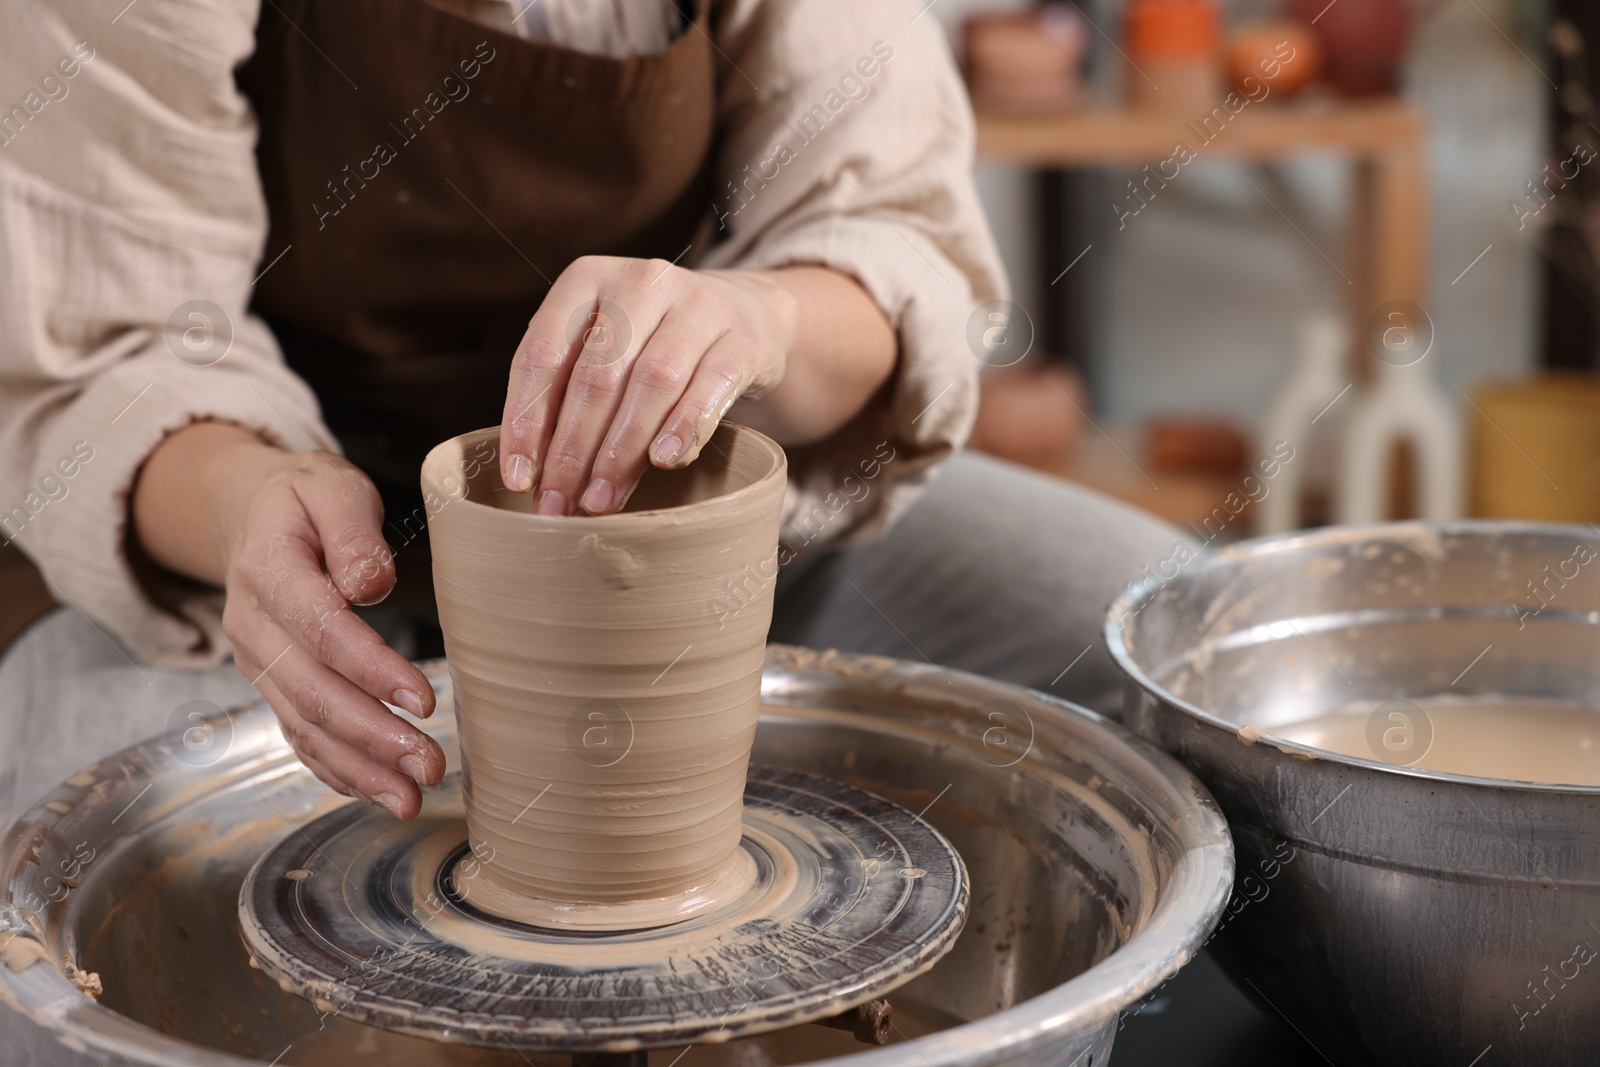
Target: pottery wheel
x,y
852,897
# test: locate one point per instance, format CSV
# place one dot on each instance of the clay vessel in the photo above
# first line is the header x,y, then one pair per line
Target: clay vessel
x,y
607,672
1026,60
1363,41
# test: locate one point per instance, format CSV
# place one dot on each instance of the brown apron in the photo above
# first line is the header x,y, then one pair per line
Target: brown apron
x,y
430,178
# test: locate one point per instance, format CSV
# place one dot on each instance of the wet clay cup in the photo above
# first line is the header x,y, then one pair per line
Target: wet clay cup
x,y
607,672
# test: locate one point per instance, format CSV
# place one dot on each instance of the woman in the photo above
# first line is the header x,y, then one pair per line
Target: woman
x,y
752,208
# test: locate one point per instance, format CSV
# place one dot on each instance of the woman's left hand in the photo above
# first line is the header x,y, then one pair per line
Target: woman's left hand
x,y
634,361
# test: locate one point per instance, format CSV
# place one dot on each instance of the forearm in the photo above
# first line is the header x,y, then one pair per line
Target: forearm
x,y
841,352
189,491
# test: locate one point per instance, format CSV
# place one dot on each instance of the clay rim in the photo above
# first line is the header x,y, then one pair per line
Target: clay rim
x,y
435,459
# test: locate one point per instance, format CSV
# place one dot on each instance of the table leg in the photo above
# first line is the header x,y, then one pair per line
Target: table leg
x,y
1389,233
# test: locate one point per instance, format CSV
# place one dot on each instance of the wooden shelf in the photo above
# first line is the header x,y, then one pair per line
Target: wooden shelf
x,y
1386,252
1107,135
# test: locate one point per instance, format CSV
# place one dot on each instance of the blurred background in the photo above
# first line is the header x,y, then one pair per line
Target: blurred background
x,y
1362,287
1280,263
1357,233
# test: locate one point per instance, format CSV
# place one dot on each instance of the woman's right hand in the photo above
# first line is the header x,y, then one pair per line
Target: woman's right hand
x,y
294,540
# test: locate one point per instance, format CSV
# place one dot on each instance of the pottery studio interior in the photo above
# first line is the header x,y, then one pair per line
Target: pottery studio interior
x,y
921,533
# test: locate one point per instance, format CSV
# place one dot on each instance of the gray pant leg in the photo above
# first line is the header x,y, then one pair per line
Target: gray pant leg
x,y
996,570
69,696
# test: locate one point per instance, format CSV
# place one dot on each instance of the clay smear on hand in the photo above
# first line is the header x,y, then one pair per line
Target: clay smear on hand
x,y
606,699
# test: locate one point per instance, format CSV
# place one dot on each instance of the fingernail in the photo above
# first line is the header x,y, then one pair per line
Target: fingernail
x,y
411,701
597,498
667,449
390,801
519,473
551,502
362,570
413,768
359,574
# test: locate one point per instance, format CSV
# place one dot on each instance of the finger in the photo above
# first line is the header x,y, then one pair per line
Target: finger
x,y
318,749
288,728
539,371
656,382
718,381
593,396
327,699
325,776
347,514
285,579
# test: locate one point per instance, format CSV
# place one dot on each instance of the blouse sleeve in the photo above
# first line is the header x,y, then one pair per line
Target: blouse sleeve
x,y
847,141
131,227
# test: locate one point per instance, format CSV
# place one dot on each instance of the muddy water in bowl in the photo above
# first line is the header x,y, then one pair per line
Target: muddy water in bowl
x,y
1395,720
1486,737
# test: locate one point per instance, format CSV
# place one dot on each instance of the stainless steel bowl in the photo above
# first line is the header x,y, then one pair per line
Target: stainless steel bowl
x,y
1392,915
1098,867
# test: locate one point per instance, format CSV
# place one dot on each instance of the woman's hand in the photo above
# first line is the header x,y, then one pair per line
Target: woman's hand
x,y
634,361
294,541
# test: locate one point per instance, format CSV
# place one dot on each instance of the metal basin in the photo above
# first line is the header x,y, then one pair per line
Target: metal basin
x,y
1393,915
1098,866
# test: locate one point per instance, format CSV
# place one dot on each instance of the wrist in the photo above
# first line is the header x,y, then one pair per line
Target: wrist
x,y
782,302
779,304
841,349
193,494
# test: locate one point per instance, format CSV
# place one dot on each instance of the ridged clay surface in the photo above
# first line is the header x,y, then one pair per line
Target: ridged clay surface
x,y
607,672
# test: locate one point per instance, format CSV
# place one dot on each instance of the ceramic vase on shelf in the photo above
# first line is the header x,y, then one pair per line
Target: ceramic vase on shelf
x,y
1174,55
1363,41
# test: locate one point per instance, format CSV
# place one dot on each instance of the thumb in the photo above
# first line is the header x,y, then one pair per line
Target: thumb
x,y
347,514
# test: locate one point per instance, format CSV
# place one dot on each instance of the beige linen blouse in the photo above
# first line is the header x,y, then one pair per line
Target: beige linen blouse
x,y
128,193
